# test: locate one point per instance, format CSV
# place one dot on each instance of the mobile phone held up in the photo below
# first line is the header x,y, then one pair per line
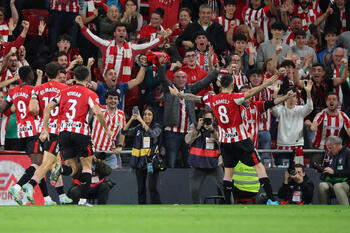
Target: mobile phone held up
x,y
135,110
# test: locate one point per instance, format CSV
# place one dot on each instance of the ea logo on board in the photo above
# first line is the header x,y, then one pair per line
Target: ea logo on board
x,y
10,173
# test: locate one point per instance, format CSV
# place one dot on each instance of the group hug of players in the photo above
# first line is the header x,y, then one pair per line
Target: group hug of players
x,y
54,113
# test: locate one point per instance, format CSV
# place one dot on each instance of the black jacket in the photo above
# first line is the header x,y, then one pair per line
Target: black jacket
x,y
306,188
215,34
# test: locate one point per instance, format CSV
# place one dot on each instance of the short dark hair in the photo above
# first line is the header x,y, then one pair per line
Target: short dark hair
x,y
159,11
278,25
299,32
204,6
81,73
255,71
60,54
229,2
246,86
239,36
64,37
189,50
332,93
301,166
330,30
205,111
317,64
113,92
24,72
133,1
287,63
226,80
200,33
52,69
293,89
233,54
120,24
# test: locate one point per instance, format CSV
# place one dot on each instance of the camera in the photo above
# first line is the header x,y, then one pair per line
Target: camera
x,y
318,167
207,121
292,171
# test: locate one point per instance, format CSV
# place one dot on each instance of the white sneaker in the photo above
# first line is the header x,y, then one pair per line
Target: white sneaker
x,y
49,201
64,199
83,202
15,191
29,191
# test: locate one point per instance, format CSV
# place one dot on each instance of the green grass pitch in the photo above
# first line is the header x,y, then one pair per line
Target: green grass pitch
x,y
175,218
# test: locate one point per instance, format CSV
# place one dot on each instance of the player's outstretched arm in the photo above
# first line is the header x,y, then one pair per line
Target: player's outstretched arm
x,y
96,109
187,96
252,92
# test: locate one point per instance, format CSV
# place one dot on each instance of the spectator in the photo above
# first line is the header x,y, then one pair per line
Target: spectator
x,y
290,124
329,118
336,173
108,23
300,49
178,113
206,57
110,79
5,25
130,14
150,31
235,69
62,17
112,57
147,136
227,21
267,48
340,18
295,23
296,188
215,32
115,120
314,42
258,17
325,55
203,154
21,55
184,20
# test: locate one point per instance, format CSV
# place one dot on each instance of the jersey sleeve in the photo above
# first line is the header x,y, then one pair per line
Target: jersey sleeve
x,y
238,98
35,93
57,98
319,117
260,106
206,100
93,99
346,120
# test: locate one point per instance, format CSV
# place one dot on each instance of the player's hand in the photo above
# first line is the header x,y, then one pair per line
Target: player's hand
x,y
44,136
173,90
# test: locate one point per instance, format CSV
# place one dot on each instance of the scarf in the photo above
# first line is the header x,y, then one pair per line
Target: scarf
x,y
125,63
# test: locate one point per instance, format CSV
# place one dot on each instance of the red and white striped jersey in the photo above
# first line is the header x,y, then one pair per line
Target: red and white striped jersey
x,y
20,97
115,123
329,125
288,38
44,93
308,16
316,6
183,126
6,76
343,20
265,117
71,6
203,60
251,115
225,23
4,30
261,15
226,110
240,79
74,103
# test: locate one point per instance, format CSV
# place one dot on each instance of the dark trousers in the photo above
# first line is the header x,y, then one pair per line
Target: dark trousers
x,y
141,176
99,192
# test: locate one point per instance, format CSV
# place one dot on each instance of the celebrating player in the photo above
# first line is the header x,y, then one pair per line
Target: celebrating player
x,y
235,142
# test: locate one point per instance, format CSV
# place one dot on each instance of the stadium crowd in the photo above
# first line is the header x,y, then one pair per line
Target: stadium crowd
x,y
141,61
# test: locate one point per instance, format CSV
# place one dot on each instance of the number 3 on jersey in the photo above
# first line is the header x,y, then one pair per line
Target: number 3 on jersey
x,y
223,114
71,109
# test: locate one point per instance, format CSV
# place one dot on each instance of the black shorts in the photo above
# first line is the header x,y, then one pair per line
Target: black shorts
x,y
243,151
32,145
52,145
74,145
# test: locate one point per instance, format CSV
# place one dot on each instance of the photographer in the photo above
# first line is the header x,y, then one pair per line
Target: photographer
x,y
296,188
337,172
203,154
100,186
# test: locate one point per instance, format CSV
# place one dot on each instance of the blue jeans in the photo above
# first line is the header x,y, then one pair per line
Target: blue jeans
x,y
64,22
264,142
175,143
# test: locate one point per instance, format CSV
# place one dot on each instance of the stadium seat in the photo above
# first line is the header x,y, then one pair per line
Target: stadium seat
x,y
251,200
216,199
33,16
